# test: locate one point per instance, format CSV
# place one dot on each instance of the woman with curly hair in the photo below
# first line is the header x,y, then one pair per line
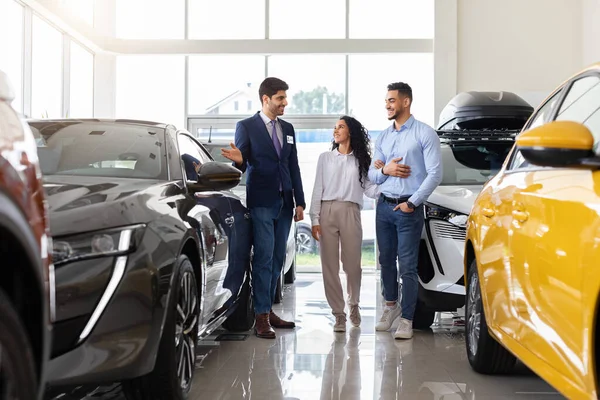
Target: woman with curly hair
x,y
337,198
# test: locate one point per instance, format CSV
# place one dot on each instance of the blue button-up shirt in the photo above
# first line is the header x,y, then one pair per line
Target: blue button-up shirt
x,y
419,146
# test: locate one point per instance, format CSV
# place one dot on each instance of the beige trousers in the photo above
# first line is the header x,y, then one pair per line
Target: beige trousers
x,y
341,228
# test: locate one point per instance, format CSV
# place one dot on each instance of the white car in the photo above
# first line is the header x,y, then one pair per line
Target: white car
x,y
476,130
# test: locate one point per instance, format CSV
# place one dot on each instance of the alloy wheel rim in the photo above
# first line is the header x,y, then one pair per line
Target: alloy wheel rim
x,y
304,242
474,319
185,329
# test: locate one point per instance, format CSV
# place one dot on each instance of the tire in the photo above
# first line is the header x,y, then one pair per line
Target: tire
x,y
485,354
242,319
17,369
423,317
305,243
177,348
290,276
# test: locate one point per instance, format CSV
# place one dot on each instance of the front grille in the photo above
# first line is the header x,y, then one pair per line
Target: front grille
x,y
445,230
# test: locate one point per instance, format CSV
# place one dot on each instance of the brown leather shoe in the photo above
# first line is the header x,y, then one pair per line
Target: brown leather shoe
x,y
263,328
277,322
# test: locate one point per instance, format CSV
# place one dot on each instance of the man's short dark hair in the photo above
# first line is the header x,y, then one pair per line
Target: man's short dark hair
x,y
270,87
402,88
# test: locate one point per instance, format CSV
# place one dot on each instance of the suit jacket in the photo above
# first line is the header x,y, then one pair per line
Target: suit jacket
x,y
264,169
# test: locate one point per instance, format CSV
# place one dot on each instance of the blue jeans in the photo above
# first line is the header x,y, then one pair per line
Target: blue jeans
x,y
271,227
398,239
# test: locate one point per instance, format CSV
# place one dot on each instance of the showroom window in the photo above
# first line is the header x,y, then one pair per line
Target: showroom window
x,y
150,19
217,82
81,97
369,76
82,9
307,19
47,71
151,88
245,19
11,53
316,82
392,19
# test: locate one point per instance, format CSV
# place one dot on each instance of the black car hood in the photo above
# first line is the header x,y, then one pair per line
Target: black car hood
x,y
82,204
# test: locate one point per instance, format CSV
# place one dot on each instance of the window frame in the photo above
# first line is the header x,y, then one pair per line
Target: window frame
x,y
560,92
204,154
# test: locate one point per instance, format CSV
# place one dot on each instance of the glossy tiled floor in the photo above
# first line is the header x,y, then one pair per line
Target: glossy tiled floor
x,y
313,362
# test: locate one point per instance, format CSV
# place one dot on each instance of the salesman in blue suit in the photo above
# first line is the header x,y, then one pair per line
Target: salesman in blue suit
x,y
265,148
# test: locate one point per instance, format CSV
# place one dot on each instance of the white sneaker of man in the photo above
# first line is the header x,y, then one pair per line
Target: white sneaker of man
x,y
390,313
404,330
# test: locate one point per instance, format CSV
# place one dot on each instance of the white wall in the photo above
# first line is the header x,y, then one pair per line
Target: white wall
x,y
590,31
524,46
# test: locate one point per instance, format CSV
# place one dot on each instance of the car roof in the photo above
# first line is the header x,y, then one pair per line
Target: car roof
x,y
135,122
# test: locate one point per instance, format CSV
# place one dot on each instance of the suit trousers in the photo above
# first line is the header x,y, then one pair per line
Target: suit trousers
x,y
271,228
341,229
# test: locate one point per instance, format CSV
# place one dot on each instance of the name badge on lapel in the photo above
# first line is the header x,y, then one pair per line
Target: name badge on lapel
x,y
290,139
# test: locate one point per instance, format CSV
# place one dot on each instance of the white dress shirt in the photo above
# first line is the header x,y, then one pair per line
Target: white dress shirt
x,y
338,179
267,122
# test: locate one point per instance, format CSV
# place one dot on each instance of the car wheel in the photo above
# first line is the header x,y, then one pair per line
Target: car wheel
x,y
279,290
306,244
485,354
17,369
423,317
242,319
176,360
290,276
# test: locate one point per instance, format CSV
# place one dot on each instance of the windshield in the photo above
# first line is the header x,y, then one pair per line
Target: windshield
x,y
215,151
473,163
100,149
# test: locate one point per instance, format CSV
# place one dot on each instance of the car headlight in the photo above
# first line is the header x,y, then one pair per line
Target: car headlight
x,y
433,211
108,243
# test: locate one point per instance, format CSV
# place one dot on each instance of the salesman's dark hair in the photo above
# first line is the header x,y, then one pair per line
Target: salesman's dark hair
x,y
270,86
361,146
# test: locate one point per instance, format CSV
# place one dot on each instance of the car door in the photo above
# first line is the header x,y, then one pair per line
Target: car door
x,y
495,216
554,223
213,213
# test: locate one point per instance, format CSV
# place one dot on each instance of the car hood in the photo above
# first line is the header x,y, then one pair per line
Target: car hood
x,y
455,198
82,204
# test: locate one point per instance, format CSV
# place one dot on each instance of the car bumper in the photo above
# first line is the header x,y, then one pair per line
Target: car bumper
x,y
445,247
122,342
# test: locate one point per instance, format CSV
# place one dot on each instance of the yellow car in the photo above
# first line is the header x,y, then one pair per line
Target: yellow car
x,y
532,255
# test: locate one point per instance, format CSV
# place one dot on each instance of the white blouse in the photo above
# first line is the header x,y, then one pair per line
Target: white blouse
x,y
338,179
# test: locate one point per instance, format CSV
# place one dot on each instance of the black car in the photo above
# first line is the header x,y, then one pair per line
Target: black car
x,y
151,251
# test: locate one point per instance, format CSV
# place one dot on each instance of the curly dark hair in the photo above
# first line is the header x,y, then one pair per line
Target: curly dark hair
x,y
360,141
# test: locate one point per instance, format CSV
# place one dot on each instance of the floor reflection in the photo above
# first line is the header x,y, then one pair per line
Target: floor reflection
x,y
313,362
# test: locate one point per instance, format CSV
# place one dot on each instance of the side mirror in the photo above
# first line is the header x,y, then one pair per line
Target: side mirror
x,y
216,176
556,144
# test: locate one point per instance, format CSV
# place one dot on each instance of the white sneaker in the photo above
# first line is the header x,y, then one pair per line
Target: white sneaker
x,y
340,323
355,316
387,318
404,330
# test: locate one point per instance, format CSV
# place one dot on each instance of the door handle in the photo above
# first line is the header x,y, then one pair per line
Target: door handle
x,y
520,215
488,212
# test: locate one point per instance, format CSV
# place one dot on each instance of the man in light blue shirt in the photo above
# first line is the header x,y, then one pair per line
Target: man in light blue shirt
x,y
405,187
